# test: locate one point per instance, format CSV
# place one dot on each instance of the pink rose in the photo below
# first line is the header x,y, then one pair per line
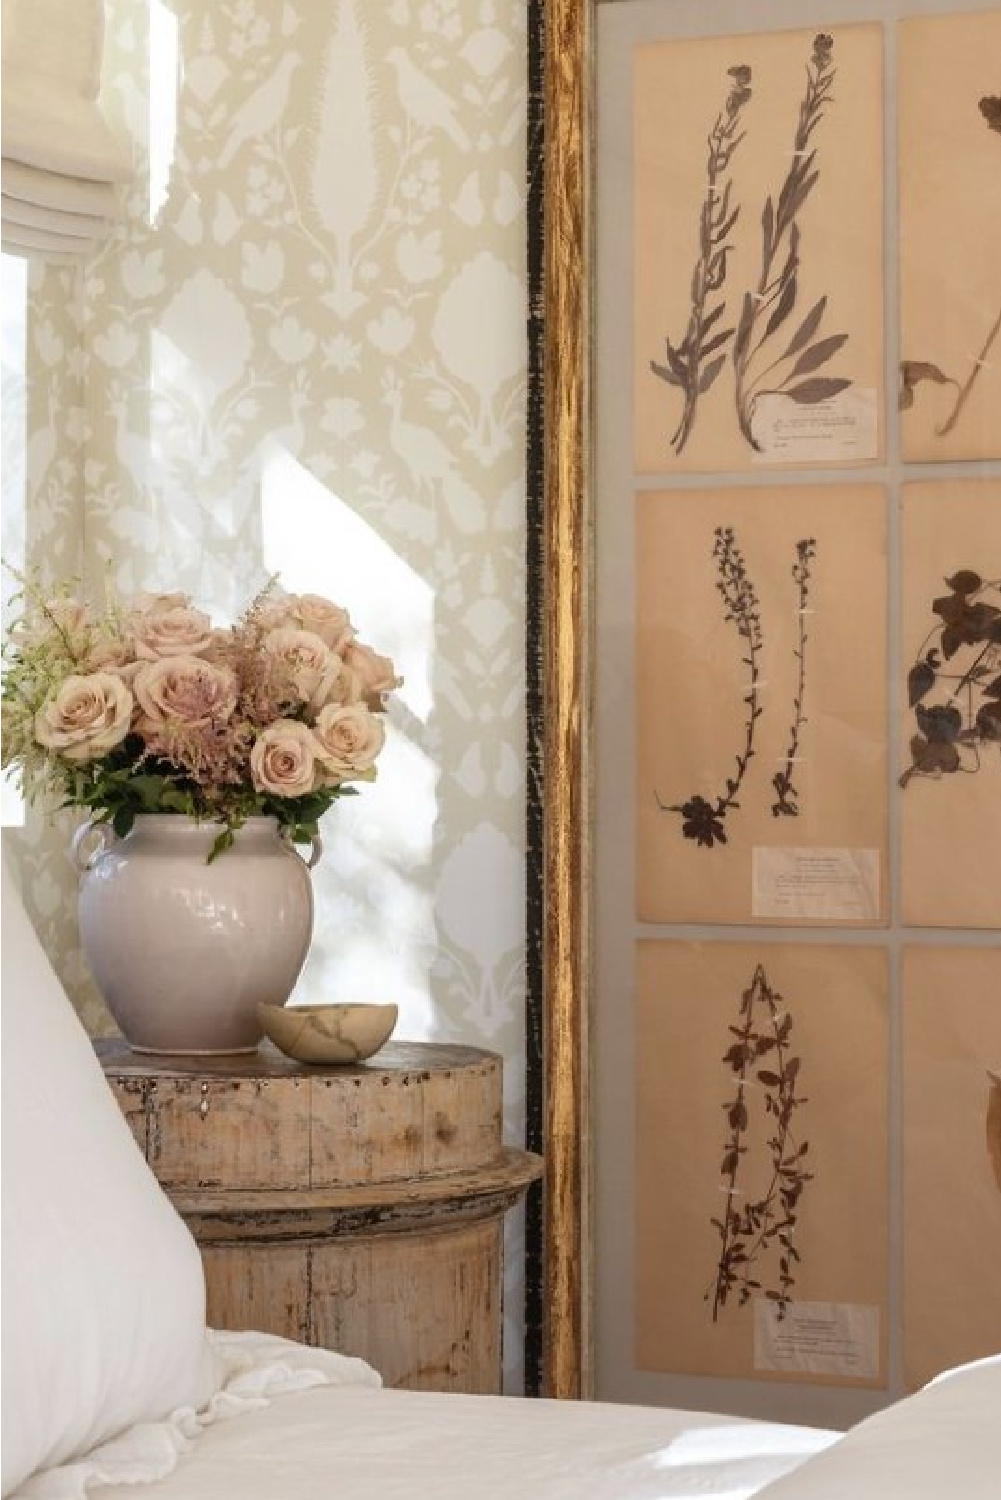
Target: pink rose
x,y
85,717
283,760
185,690
349,739
308,663
376,674
175,630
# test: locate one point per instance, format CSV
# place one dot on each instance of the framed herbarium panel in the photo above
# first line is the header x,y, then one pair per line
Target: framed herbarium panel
x,y
949,132
950,753
757,208
759,670
762,1160
951,1071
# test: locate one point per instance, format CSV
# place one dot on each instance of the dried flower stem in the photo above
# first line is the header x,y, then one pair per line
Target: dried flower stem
x,y
786,802
703,820
747,1233
685,365
971,380
768,306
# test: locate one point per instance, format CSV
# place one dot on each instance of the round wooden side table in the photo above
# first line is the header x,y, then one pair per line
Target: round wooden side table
x,y
360,1208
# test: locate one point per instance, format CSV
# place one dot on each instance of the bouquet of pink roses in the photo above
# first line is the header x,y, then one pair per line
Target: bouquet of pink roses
x,y
146,707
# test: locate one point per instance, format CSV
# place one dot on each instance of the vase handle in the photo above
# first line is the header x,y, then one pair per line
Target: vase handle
x,y
315,849
105,835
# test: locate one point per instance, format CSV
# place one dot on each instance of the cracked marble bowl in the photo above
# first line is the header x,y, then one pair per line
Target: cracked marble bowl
x,y
329,1033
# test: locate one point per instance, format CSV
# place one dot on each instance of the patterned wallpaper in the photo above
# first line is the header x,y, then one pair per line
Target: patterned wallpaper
x,y
304,352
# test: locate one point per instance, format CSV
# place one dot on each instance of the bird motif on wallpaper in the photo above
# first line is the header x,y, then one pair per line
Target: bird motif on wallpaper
x,y
427,104
427,459
344,176
262,110
430,462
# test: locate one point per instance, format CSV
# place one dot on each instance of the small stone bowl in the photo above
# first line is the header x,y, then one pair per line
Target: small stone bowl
x,y
329,1033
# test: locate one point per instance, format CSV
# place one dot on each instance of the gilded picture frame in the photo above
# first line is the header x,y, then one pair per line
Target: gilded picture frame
x,y
559,1260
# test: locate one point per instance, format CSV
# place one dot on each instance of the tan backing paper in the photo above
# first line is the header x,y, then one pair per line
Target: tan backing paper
x,y
950,805
950,235
692,684
688,998
682,89
951,1157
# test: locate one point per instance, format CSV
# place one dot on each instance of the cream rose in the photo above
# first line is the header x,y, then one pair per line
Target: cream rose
x,y
173,631
283,760
349,738
113,656
310,666
85,717
376,674
325,619
185,690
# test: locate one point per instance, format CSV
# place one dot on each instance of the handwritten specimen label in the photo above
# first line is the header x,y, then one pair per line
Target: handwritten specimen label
x,y
839,430
835,885
817,1338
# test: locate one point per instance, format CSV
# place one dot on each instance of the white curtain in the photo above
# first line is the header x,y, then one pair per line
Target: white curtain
x,y
61,161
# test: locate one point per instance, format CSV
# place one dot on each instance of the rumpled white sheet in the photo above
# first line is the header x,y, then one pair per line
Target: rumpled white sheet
x,y
360,1443
254,1369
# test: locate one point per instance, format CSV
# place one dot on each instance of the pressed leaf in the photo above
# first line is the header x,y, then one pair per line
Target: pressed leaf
x,y
767,228
920,680
722,230
717,342
744,326
710,373
965,582
713,316
665,373
818,354
820,388
913,370
800,197
783,307
722,207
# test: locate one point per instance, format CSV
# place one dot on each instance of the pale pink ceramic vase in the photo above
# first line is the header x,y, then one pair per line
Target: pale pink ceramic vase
x,y
183,951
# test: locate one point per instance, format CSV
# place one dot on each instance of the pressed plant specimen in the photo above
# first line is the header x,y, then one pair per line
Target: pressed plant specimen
x,y
753,1229
786,803
689,365
954,686
701,819
914,371
765,310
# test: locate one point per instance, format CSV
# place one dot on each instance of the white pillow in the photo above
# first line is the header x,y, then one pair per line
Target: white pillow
x,y
943,1443
103,1291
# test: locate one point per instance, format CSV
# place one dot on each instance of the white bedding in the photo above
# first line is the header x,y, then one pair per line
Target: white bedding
x,y
272,1433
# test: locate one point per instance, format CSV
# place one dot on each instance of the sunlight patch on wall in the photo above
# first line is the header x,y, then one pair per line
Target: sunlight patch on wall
x,y
375,933
163,54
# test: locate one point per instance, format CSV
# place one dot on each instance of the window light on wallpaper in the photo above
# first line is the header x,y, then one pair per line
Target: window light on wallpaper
x,y
379,849
347,560
163,81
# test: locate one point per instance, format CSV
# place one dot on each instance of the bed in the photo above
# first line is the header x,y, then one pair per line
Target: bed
x,y
113,1386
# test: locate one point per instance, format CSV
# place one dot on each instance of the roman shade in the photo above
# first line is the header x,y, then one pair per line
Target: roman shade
x,y
61,160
